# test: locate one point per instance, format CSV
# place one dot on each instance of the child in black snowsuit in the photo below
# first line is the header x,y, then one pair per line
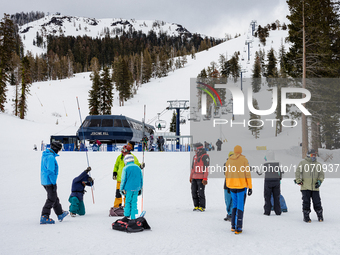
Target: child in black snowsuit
x,y
78,189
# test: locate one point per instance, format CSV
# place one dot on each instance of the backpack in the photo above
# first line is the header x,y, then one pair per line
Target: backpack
x,y
116,211
131,226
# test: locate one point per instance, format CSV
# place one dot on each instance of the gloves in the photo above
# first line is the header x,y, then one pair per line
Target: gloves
x,y
317,184
88,170
142,165
250,191
139,192
204,182
298,183
114,176
228,190
123,192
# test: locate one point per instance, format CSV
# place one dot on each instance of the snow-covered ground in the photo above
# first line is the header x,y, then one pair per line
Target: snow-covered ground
x,y
176,229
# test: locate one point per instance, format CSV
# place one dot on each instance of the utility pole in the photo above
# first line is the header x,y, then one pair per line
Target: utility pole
x,y
304,118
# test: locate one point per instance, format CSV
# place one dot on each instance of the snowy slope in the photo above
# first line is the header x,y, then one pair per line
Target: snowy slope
x,y
176,229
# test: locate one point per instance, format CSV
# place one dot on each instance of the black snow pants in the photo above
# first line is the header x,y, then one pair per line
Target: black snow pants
x,y
307,195
197,192
52,201
272,188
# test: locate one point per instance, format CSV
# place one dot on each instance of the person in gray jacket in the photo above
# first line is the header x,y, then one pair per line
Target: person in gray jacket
x,y
309,175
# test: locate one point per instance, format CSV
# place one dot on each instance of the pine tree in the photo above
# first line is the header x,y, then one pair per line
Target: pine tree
x,y
94,93
7,46
173,122
256,82
106,92
254,125
25,85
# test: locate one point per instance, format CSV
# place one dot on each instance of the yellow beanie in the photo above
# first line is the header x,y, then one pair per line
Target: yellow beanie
x,y
230,154
238,149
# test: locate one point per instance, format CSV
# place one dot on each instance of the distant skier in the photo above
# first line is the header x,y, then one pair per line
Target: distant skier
x,y
78,189
309,175
238,180
199,177
49,175
219,145
131,186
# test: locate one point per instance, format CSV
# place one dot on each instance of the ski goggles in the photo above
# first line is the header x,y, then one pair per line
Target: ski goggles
x,y
312,155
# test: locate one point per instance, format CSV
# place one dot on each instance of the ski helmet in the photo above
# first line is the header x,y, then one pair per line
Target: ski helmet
x,y
128,158
56,146
126,148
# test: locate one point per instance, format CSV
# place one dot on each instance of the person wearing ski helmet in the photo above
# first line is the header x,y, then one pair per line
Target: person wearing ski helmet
x,y
77,192
118,169
238,180
199,177
131,186
48,176
309,175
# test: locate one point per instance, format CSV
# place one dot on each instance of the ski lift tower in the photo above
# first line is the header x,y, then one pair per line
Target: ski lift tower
x,y
249,41
253,24
178,105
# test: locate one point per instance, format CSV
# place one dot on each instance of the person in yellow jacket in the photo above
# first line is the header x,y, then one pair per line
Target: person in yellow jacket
x,y
118,169
238,180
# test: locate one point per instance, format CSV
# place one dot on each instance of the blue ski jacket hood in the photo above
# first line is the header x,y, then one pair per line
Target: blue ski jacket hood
x,y
49,167
132,178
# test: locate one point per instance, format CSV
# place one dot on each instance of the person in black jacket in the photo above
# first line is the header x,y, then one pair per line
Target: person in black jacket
x,y
272,183
78,189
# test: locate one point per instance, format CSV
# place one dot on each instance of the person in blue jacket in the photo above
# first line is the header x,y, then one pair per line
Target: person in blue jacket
x,y
49,175
131,186
78,189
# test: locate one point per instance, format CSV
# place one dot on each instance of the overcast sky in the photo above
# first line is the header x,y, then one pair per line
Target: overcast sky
x,y
208,17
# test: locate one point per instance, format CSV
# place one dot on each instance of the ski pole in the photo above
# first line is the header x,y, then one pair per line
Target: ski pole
x,y
143,160
82,130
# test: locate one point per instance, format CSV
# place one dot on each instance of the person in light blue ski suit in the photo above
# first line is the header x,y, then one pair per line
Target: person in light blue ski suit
x,y
78,189
49,174
131,186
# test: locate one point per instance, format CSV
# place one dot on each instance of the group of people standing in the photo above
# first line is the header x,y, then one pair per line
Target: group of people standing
x,y
238,184
127,172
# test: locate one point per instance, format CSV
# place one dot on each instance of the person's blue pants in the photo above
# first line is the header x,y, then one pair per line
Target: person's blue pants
x,y
238,197
228,201
130,208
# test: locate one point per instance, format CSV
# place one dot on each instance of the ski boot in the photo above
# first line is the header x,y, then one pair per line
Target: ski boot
x,y
73,214
306,217
62,216
227,218
319,214
201,209
196,208
44,219
238,231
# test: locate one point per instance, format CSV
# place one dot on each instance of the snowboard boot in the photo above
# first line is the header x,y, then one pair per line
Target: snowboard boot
x,y
46,220
320,216
62,216
306,217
